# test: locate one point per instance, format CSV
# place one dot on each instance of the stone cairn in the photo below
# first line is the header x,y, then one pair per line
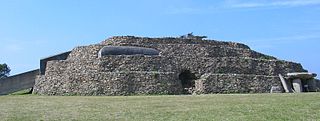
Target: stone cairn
x,y
129,65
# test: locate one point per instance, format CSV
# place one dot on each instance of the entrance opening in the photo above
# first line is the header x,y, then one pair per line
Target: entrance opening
x,y
187,81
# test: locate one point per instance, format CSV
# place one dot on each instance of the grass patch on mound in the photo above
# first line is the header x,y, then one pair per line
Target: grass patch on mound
x,y
304,106
22,92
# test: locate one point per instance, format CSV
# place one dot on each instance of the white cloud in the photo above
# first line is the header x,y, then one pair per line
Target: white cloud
x,y
284,41
184,10
293,38
20,46
237,4
281,3
12,48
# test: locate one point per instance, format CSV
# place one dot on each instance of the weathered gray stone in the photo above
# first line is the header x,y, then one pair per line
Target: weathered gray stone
x,y
127,50
285,84
213,66
312,85
297,85
276,89
43,61
317,85
301,75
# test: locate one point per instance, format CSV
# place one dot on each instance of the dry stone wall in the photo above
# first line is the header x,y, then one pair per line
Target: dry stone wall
x,y
198,65
202,50
215,67
86,80
235,83
168,40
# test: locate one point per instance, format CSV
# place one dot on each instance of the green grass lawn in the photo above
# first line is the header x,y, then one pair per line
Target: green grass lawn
x,y
305,106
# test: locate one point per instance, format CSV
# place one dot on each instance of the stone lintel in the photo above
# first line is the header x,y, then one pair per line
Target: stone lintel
x,y
301,75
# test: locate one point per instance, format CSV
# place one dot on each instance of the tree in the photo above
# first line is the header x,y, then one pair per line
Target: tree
x,y
4,70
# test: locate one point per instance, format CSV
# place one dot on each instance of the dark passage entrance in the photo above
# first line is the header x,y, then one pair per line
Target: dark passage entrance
x,y
187,80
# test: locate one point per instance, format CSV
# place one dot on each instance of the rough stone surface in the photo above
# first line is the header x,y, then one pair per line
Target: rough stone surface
x,y
276,89
297,85
235,83
43,61
313,85
214,66
287,87
317,88
126,50
301,75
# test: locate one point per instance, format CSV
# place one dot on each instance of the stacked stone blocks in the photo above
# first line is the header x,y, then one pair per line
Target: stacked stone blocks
x,y
217,67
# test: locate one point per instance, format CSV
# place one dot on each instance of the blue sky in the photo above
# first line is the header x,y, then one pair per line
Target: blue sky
x,y
33,29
